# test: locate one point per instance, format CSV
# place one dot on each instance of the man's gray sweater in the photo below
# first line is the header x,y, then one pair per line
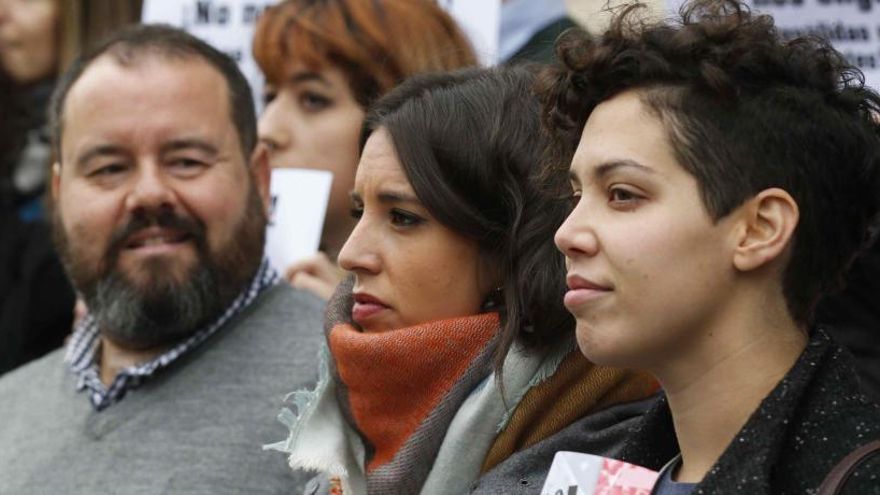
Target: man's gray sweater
x,y
196,427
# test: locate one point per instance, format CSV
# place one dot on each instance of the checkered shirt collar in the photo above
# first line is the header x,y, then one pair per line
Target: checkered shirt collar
x,y
82,350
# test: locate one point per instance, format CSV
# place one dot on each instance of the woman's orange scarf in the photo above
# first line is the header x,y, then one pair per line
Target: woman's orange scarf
x,y
401,389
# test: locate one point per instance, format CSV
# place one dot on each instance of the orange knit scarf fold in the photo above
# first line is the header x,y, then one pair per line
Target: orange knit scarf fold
x,y
394,381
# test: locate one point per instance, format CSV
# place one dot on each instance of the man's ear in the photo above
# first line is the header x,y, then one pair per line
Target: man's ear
x,y
262,174
56,181
768,221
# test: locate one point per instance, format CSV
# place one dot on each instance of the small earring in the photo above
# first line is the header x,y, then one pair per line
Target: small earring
x,y
494,300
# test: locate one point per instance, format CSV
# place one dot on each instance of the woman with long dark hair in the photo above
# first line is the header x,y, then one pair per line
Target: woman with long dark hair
x,y
449,350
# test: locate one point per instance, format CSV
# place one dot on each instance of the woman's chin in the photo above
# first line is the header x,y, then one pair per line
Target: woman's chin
x,y
374,323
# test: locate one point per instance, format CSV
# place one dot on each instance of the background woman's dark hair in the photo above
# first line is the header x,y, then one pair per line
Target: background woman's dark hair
x,y
744,111
470,142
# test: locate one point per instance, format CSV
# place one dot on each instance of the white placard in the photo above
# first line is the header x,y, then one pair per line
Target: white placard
x,y
573,473
852,26
299,203
481,22
227,25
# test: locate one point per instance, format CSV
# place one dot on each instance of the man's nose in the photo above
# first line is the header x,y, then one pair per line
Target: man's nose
x,y
150,190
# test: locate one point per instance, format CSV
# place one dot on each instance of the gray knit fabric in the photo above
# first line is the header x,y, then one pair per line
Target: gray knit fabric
x,y
196,428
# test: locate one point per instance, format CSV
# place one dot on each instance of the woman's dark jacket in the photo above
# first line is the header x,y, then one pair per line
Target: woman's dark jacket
x,y
813,418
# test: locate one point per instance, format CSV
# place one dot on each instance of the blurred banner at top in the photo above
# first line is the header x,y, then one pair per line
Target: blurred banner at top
x,y
481,21
229,26
852,26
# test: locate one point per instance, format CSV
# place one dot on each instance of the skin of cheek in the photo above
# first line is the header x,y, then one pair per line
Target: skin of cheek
x,y
324,140
442,285
342,163
36,57
89,220
220,212
664,290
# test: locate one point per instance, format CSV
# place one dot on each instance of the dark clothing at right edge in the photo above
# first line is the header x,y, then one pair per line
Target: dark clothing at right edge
x,y
810,421
853,318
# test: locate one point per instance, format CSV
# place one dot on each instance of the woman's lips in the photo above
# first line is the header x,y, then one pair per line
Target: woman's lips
x,y
582,291
365,307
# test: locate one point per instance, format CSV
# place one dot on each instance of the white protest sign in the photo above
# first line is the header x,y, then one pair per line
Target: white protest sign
x,y
299,203
481,22
852,26
227,25
584,474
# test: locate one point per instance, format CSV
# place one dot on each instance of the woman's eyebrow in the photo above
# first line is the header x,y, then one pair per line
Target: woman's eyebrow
x,y
397,197
610,166
307,76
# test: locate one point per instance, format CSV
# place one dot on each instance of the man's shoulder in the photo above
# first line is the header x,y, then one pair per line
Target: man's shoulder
x,y
832,419
278,318
36,375
35,391
269,349
291,306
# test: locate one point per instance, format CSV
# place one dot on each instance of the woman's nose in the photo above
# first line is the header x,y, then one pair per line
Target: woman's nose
x,y
576,236
361,253
272,127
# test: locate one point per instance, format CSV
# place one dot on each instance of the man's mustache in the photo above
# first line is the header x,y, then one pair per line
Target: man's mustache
x,y
191,228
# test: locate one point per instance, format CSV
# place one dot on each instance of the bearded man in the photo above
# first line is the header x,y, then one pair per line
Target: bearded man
x,y
171,383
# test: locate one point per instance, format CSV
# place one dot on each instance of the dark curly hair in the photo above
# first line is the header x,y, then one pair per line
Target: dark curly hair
x,y
470,143
744,111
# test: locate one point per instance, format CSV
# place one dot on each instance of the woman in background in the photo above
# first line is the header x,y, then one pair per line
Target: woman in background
x,y
324,63
450,351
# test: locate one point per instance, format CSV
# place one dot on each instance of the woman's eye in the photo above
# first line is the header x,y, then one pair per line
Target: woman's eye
x,y
623,197
404,219
314,102
356,212
574,199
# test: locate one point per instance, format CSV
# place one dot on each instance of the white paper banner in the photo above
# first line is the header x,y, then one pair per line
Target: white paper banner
x,y
299,203
227,25
852,26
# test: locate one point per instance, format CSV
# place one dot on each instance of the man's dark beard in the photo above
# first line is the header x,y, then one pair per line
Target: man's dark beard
x,y
165,310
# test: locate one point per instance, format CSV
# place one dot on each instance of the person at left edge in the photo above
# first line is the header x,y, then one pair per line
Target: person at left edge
x,y
170,382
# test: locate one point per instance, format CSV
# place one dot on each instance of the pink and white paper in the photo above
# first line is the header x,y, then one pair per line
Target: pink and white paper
x,y
584,474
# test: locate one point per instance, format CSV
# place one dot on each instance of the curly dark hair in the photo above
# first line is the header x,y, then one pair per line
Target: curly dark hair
x,y
744,111
470,142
